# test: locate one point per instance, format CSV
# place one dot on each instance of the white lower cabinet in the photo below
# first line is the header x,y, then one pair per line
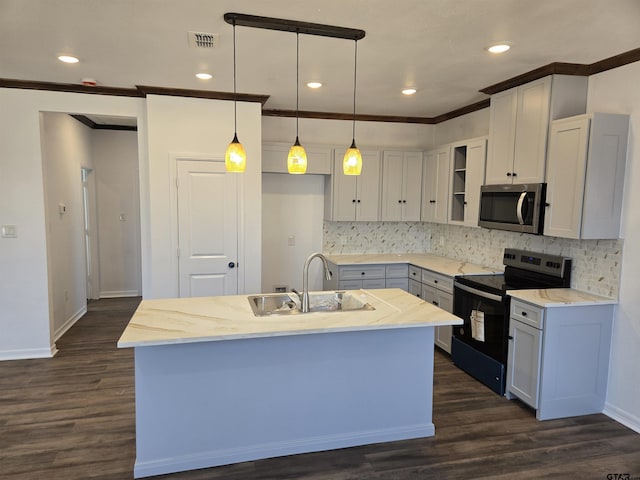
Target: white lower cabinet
x,y
436,289
558,358
355,277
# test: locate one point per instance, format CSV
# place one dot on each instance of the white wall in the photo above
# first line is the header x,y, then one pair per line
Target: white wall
x,y
191,126
24,299
475,124
115,159
66,148
616,91
292,206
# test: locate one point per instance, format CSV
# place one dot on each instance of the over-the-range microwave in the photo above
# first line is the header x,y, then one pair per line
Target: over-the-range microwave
x,y
518,208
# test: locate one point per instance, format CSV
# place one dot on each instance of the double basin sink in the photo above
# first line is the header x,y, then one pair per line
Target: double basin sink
x,y
289,304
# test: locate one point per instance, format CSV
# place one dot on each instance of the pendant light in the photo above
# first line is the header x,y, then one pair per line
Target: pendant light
x,y
352,162
297,159
235,159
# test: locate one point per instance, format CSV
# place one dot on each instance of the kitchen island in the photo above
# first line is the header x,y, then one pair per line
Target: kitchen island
x,y
217,385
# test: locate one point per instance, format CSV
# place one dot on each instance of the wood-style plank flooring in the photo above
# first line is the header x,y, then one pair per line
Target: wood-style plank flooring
x,y
71,417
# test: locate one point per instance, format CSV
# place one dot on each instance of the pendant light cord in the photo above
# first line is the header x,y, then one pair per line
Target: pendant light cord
x,y
235,112
355,72
297,77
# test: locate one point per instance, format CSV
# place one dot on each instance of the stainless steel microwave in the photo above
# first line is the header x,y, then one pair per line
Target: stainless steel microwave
x,y
518,208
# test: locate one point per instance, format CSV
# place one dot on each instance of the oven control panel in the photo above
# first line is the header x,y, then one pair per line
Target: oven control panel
x,y
555,265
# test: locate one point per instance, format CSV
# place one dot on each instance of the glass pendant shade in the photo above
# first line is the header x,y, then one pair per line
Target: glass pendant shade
x,y
352,162
235,159
297,159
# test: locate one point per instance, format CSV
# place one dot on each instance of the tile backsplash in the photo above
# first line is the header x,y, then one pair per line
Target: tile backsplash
x,y
596,263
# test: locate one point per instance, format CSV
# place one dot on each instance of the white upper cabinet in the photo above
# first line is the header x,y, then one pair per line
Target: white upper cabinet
x,y
351,198
435,185
274,158
519,122
585,176
401,186
467,176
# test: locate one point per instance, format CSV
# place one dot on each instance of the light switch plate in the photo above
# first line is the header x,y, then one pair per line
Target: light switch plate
x,y
9,231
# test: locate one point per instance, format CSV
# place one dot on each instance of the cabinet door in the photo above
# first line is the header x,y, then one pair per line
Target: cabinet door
x,y
443,334
476,157
429,187
435,185
566,172
443,159
368,187
412,186
502,136
532,126
343,192
415,288
523,364
401,283
392,175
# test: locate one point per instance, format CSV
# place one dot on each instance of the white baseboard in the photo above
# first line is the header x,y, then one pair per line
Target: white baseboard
x,y
28,353
623,417
121,293
69,323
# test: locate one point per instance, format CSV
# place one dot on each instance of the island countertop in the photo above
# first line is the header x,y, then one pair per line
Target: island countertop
x,y
204,319
443,265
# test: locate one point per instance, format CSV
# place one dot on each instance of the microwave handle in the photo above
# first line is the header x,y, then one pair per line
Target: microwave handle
x,y
523,195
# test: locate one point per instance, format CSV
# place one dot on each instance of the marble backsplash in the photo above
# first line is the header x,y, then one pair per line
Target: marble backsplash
x,y
596,263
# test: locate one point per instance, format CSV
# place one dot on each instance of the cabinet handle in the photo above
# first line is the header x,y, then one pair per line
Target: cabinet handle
x,y
353,201
514,174
404,201
464,203
358,201
432,201
399,201
547,204
510,337
508,174
524,314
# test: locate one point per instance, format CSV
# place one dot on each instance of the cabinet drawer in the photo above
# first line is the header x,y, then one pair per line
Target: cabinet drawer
x,y
441,282
402,283
400,270
374,283
527,314
362,272
415,273
350,285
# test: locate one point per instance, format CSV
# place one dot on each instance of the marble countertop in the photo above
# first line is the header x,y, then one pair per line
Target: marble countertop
x,y
560,297
443,265
204,319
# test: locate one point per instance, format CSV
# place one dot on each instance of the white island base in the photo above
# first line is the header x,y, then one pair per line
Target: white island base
x,y
214,403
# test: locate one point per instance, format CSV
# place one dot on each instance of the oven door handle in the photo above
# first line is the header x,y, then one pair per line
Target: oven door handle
x,y
523,195
480,293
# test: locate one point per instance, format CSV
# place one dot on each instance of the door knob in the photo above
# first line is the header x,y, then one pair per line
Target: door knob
x,y
232,265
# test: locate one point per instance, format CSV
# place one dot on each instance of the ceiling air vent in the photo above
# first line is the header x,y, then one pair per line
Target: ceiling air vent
x,y
202,40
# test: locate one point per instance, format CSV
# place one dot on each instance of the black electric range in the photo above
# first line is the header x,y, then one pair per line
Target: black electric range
x,y
482,351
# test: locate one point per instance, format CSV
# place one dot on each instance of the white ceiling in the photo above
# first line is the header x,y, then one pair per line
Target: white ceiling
x,y
436,46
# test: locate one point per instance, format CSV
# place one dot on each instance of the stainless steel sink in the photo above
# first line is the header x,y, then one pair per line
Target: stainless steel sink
x,y
285,304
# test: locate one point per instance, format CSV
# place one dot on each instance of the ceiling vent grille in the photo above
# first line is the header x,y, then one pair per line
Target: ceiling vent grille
x,y
202,40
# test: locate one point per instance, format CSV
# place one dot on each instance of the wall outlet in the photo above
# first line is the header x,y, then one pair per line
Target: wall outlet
x,y
9,231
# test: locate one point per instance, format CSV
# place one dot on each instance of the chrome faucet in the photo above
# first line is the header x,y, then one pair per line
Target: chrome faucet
x,y
305,278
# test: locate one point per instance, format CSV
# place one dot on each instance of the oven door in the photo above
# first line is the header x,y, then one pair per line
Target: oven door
x,y
479,346
491,327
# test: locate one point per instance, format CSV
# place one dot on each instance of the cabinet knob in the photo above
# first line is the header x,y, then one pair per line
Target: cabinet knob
x,y
435,303
353,201
510,337
508,174
464,203
232,265
514,174
399,201
362,273
404,201
358,201
547,204
432,201
435,281
524,314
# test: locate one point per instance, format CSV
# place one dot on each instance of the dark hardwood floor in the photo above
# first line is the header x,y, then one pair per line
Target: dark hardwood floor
x,y
71,417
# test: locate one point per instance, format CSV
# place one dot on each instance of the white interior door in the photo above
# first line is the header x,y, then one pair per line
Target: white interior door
x,y
207,229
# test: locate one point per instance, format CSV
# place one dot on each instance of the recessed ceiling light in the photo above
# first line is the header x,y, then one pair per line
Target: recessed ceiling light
x,y
500,48
314,84
68,59
409,91
204,76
